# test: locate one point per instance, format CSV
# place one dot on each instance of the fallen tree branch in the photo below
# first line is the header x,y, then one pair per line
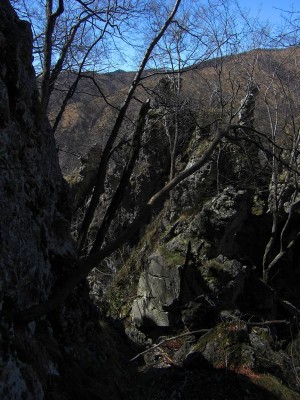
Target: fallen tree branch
x,y
169,359
168,340
264,323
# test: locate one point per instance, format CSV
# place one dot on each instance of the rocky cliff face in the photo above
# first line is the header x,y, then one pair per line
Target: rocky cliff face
x,y
198,269
196,279
193,280
34,213
34,198
59,355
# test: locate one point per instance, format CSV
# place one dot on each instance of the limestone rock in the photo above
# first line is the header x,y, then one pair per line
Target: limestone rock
x,y
82,180
158,291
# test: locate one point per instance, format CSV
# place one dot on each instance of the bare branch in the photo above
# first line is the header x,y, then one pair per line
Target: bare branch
x,y
99,186
120,191
51,20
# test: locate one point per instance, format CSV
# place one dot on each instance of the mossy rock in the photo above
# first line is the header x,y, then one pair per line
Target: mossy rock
x,y
123,289
171,258
226,344
224,277
275,387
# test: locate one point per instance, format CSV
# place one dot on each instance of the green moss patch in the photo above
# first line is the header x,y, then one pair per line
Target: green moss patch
x,y
226,346
172,258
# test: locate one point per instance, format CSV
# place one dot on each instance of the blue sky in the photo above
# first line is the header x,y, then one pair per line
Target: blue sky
x,y
270,9
261,9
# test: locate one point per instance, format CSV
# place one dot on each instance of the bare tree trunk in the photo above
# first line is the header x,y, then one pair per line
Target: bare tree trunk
x,y
101,174
51,20
119,193
74,85
174,148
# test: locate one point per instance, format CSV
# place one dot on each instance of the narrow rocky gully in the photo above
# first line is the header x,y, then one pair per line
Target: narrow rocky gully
x,y
199,298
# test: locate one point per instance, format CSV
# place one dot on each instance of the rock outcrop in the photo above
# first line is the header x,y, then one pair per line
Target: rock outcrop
x,y
158,291
34,216
34,210
61,355
194,282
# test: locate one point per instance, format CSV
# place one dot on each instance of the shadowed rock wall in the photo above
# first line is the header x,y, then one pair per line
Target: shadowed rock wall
x,y
34,214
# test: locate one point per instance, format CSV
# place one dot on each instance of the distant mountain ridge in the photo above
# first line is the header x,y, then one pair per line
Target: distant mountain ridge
x,y
88,117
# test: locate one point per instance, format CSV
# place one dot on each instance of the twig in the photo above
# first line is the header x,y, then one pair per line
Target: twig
x,y
168,340
280,321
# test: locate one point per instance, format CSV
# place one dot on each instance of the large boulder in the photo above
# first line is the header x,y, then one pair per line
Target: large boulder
x,y
167,289
158,292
